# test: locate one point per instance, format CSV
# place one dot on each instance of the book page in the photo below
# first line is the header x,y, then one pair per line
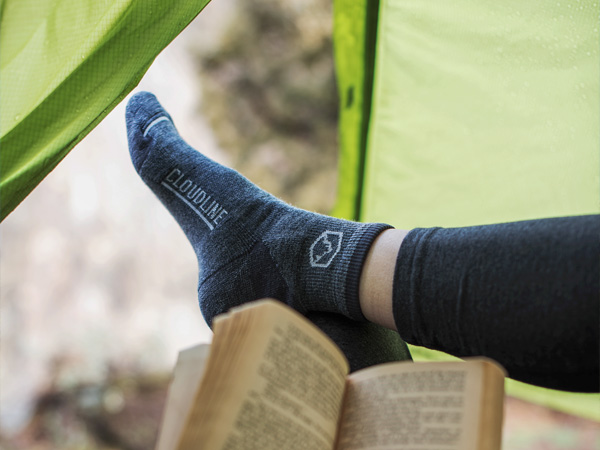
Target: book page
x,y
275,382
416,406
492,405
186,380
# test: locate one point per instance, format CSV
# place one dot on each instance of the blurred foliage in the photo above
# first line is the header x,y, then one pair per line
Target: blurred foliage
x,y
123,413
270,96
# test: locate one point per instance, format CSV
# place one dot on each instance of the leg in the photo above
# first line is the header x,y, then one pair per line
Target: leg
x,y
377,278
250,245
365,344
525,294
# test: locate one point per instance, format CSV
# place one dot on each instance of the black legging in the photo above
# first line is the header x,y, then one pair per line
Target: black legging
x,y
524,293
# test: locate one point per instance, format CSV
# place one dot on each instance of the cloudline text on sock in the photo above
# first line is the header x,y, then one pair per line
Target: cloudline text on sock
x,y
194,196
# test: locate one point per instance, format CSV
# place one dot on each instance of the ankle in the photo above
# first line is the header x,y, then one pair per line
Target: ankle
x,y
377,278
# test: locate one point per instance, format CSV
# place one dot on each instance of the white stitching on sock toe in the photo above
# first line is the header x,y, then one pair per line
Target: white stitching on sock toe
x,y
154,122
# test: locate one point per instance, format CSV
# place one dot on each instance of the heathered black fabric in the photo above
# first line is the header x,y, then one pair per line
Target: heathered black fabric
x,y
523,293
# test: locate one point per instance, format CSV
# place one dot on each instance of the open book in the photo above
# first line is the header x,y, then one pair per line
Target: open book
x,y
272,380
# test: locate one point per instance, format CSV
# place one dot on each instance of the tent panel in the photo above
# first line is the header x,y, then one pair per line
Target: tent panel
x,y
483,112
64,66
354,45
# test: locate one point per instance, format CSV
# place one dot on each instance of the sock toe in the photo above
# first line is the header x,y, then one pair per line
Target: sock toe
x,y
142,113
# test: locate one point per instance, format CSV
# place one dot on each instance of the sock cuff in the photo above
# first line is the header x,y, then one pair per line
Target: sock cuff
x,y
363,243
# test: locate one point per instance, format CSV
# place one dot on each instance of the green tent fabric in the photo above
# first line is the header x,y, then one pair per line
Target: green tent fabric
x,y
64,65
464,113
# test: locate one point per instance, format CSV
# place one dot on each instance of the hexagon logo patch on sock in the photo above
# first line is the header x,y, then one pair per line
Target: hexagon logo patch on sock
x,y
325,247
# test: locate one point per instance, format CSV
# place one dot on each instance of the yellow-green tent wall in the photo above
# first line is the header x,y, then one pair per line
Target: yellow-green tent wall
x,y
478,112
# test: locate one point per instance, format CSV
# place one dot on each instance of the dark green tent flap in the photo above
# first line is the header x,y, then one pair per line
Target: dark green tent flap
x,y
355,34
481,112
63,67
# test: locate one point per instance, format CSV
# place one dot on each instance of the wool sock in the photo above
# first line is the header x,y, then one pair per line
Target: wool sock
x,y
364,344
249,244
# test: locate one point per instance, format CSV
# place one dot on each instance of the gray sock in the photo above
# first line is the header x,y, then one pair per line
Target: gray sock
x,y
364,344
249,244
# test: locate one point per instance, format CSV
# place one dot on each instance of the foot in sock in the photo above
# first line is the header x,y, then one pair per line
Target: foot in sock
x,y
249,244
364,344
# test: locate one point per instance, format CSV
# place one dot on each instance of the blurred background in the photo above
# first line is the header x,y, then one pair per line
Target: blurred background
x,y
98,283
